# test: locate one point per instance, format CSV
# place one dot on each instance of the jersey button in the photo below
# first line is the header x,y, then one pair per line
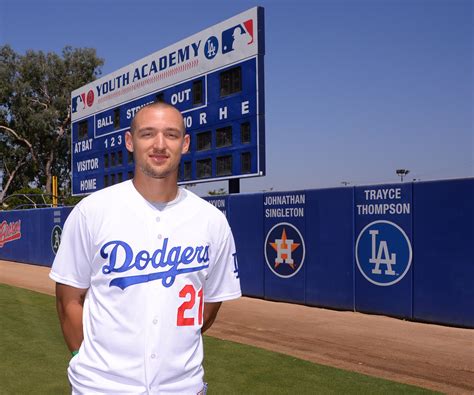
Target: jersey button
x,y
160,236
155,321
153,356
158,219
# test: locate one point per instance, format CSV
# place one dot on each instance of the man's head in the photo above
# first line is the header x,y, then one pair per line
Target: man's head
x,y
157,138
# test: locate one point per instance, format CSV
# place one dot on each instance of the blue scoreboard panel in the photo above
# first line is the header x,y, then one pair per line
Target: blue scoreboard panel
x,y
215,78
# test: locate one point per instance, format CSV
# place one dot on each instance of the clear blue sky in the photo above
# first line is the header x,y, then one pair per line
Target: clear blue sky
x,y
354,88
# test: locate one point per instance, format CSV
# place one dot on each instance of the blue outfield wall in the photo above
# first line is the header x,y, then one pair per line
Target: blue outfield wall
x,y
284,248
403,250
383,249
35,234
444,252
330,252
247,225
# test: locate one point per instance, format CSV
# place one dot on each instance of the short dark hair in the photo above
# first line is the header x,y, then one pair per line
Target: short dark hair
x,y
157,105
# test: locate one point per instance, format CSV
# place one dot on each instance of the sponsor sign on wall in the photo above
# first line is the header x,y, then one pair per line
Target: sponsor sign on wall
x,y
383,248
284,247
220,202
56,231
9,231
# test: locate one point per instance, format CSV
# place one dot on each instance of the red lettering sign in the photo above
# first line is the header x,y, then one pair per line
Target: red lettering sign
x,y
9,232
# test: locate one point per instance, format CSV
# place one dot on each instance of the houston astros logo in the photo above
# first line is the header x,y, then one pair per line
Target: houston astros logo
x,y
284,250
383,253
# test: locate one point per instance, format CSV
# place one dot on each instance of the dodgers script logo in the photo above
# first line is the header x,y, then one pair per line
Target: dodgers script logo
x,y
383,253
284,250
169,263
237,37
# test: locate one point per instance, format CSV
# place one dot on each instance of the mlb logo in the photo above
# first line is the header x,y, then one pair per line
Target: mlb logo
x,y
82,101
237,37
77,103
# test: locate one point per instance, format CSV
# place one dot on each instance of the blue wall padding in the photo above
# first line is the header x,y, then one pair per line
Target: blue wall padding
x,y
288,289
444,252
246,221
34,246
329,238
332,239
396,299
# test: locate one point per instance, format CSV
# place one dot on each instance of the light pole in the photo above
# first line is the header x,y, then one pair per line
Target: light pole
x,y
402,173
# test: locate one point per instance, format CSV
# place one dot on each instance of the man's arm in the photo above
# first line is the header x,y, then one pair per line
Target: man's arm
x,y
210,314
69,303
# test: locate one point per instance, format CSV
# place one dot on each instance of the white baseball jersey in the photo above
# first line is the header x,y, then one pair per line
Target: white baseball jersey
x,y
148,268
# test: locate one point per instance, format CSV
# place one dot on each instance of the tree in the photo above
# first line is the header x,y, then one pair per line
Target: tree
x,y
217,192
26,198
35,110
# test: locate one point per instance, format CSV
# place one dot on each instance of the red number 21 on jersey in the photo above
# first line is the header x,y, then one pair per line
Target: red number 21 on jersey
x,y
188,291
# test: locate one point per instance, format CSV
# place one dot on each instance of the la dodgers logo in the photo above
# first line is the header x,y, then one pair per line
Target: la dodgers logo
x,y
383,253
284,250
211,47
177,260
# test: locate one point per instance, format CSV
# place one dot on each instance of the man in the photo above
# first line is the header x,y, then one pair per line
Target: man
x,y
141,272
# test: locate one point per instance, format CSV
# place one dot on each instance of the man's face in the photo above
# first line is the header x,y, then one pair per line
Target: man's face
x,y
158,141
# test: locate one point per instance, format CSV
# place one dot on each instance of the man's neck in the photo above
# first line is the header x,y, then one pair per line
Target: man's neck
x,y
156,190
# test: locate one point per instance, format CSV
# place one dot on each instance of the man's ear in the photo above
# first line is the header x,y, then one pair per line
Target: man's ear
x,y
129,141
186,143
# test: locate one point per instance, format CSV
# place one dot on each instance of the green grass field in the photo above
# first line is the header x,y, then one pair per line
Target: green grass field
x,y
34,359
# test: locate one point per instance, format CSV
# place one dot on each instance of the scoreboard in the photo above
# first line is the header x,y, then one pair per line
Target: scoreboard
x,y
215,78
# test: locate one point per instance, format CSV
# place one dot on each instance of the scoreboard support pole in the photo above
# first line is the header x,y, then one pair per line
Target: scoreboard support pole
x,y
234,185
